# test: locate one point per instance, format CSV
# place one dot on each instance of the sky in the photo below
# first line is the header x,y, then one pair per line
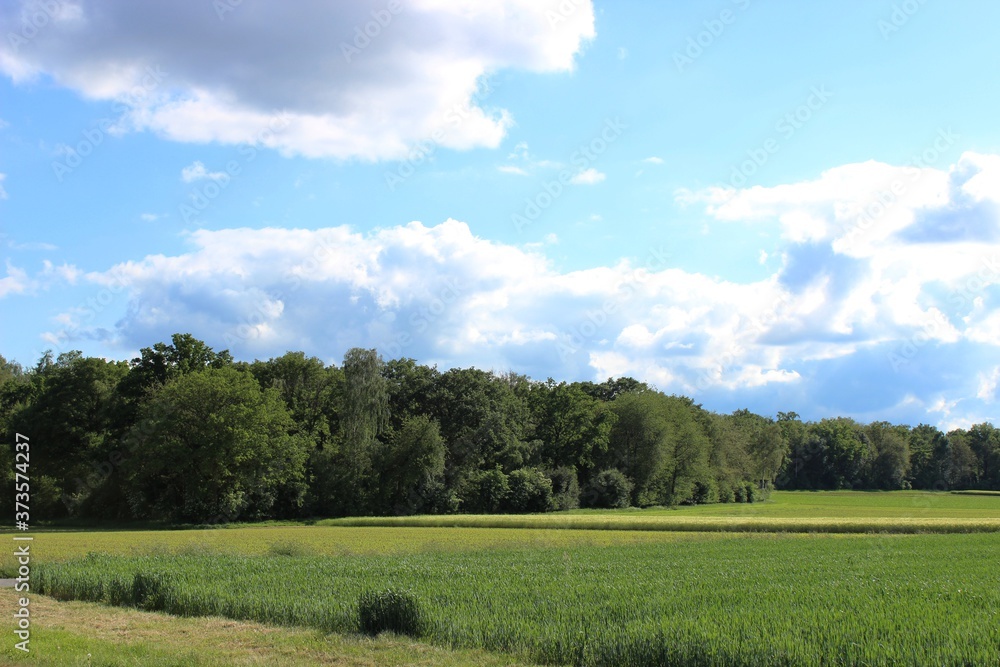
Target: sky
x,y
780,206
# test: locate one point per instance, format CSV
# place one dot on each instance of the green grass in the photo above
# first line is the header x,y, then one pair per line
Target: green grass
x,y
738,600
54,546
70,634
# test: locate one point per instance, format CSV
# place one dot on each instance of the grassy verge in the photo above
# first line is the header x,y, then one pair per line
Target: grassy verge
x,y
65,634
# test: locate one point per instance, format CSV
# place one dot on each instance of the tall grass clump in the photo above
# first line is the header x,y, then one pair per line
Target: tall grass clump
x,y
390,610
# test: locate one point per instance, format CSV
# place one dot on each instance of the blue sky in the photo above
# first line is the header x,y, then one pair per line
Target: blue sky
x,y
780,206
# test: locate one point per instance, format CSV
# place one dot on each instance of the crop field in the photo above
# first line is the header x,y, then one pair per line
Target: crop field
x,y
627,596
743,600
789,511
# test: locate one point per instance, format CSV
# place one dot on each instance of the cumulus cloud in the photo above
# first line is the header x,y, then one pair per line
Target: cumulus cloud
x,y
353,79
442,294
511,169
15,282
196,171
852,318
587,177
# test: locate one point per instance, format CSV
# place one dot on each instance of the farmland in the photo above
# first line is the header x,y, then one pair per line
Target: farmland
x,y
594,597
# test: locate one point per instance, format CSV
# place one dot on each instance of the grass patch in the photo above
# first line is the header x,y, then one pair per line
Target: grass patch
x,y
70,634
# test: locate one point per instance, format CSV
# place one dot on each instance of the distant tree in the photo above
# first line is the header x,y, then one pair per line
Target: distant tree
x,y
888,460
572,427
928,458
639,440
308,389
216,449
964,470
411,467
984,440
565,488
66,408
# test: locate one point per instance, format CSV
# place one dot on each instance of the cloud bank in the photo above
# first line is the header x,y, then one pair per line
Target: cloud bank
x,y
366,79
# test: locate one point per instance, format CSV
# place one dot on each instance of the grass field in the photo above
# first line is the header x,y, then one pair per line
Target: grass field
x,y
742,600
567,596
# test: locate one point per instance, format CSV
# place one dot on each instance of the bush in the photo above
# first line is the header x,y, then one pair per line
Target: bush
x,y
389,610
565,489
704,492
726,494
530,491
484,491
149,591
609,489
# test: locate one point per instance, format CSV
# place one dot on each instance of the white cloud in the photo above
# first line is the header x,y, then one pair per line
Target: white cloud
x,y
988,381
196,171
587,177
441,293
653,160
15,282
511,169
152,217
3,192
194,74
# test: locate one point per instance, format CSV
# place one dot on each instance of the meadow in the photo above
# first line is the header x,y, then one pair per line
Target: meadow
x,y
588,597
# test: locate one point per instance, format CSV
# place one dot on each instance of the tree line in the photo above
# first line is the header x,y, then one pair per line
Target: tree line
x,y
185,434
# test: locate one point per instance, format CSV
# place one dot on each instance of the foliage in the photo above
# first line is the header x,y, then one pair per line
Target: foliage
x,y
530,491
609,489
375,437
217,449
389,611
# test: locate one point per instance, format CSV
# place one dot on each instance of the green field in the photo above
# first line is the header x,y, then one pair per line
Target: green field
x,y
592,597
786,511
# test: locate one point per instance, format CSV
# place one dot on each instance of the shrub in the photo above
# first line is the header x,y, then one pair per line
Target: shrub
x,y
609,489
704,492
530,491
565,488
149,591
389,610
484,491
